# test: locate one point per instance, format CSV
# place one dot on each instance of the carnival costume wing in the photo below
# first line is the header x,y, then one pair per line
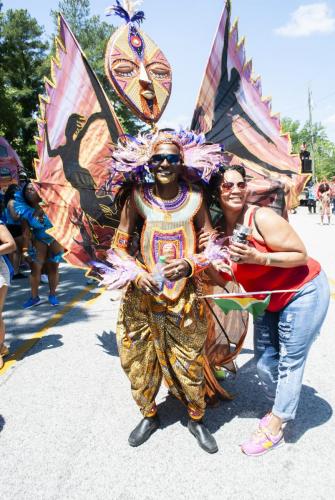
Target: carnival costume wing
x,y
78,130
231,110
10,164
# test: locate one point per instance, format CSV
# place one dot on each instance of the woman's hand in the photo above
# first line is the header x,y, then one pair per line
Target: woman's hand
x,y
215,272
246,254
177,269
147,284
221,266
204,237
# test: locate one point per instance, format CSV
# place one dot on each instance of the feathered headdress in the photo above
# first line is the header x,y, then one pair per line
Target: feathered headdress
x,y
128,12
201,159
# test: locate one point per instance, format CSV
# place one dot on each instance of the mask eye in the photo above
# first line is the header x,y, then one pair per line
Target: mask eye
x,y
124,68
159,71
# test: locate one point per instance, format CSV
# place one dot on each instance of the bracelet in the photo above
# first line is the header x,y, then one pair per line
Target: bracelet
x,y
268,259
191,268
198,263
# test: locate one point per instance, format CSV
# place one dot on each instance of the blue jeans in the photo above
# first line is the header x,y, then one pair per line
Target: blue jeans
x,y
282,341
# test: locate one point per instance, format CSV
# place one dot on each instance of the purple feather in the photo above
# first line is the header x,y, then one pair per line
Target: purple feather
x,y
138,17
217,249
130,138
101,267
119,273
118,10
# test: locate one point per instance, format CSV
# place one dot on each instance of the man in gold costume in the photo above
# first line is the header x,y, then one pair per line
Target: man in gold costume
x,y
161,333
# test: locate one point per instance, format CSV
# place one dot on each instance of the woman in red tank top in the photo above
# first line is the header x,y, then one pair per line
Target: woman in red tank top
x,y
275,258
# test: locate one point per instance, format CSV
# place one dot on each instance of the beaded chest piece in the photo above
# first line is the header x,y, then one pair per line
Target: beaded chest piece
x,y
168,229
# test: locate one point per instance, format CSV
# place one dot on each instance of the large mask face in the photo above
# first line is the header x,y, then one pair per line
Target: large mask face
x,y
139,72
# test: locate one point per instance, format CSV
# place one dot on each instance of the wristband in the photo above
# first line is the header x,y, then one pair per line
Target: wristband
x,y
121,240
268,259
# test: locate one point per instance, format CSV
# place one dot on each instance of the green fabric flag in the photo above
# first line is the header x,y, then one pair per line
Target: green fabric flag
x,y
250,304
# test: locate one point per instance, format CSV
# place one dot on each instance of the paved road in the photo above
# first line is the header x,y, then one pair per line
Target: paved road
x,y
66,412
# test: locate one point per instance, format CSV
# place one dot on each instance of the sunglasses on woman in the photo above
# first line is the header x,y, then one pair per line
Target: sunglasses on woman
x,y
228,186
170,158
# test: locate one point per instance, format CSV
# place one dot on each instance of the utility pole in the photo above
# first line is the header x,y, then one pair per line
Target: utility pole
x,y
310,107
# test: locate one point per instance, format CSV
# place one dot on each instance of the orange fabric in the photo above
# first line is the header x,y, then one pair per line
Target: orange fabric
x,y
225,337
213,387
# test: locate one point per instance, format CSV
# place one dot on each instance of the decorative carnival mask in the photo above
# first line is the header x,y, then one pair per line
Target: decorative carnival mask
x,y
136,67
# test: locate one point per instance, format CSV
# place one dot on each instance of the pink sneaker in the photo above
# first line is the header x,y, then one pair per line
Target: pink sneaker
x,y
261,442
264,422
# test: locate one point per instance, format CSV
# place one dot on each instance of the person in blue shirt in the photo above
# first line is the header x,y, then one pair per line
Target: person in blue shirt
x,y
39,247
311,201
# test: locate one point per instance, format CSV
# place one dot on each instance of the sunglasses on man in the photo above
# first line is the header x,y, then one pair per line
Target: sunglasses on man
x,y
173,159
228,186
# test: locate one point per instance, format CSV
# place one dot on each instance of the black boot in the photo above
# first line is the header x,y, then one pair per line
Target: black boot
x,y
143,431
205,439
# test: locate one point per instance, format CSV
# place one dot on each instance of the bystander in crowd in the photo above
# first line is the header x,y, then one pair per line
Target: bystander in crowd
x,y
39,248
324,195
274,258
311,198
7,246
13,224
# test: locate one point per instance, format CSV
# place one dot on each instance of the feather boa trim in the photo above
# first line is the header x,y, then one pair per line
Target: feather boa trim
x,y
117,272
201,159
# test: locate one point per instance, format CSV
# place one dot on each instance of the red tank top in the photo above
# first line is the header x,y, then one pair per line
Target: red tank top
x,y
254,277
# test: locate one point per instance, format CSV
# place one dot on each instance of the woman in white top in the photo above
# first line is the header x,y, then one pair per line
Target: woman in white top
x,y
7,245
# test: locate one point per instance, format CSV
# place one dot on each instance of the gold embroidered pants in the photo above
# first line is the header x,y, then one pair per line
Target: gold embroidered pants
x,y
159,338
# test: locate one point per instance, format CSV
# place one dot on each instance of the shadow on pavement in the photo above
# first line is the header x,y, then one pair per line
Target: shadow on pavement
x,y
313,411
21,323
43,344
2,423
108,343
245,350
171,411
249,401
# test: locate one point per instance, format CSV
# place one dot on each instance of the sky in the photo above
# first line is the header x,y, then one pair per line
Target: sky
x,y
291,43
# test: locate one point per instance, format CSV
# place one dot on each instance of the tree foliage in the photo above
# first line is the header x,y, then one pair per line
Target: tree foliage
x,y
23,53
93,34
25,60
324,148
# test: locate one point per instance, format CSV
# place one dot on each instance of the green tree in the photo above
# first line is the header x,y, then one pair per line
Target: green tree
x,y
23,55
324,148
93,34
292,126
